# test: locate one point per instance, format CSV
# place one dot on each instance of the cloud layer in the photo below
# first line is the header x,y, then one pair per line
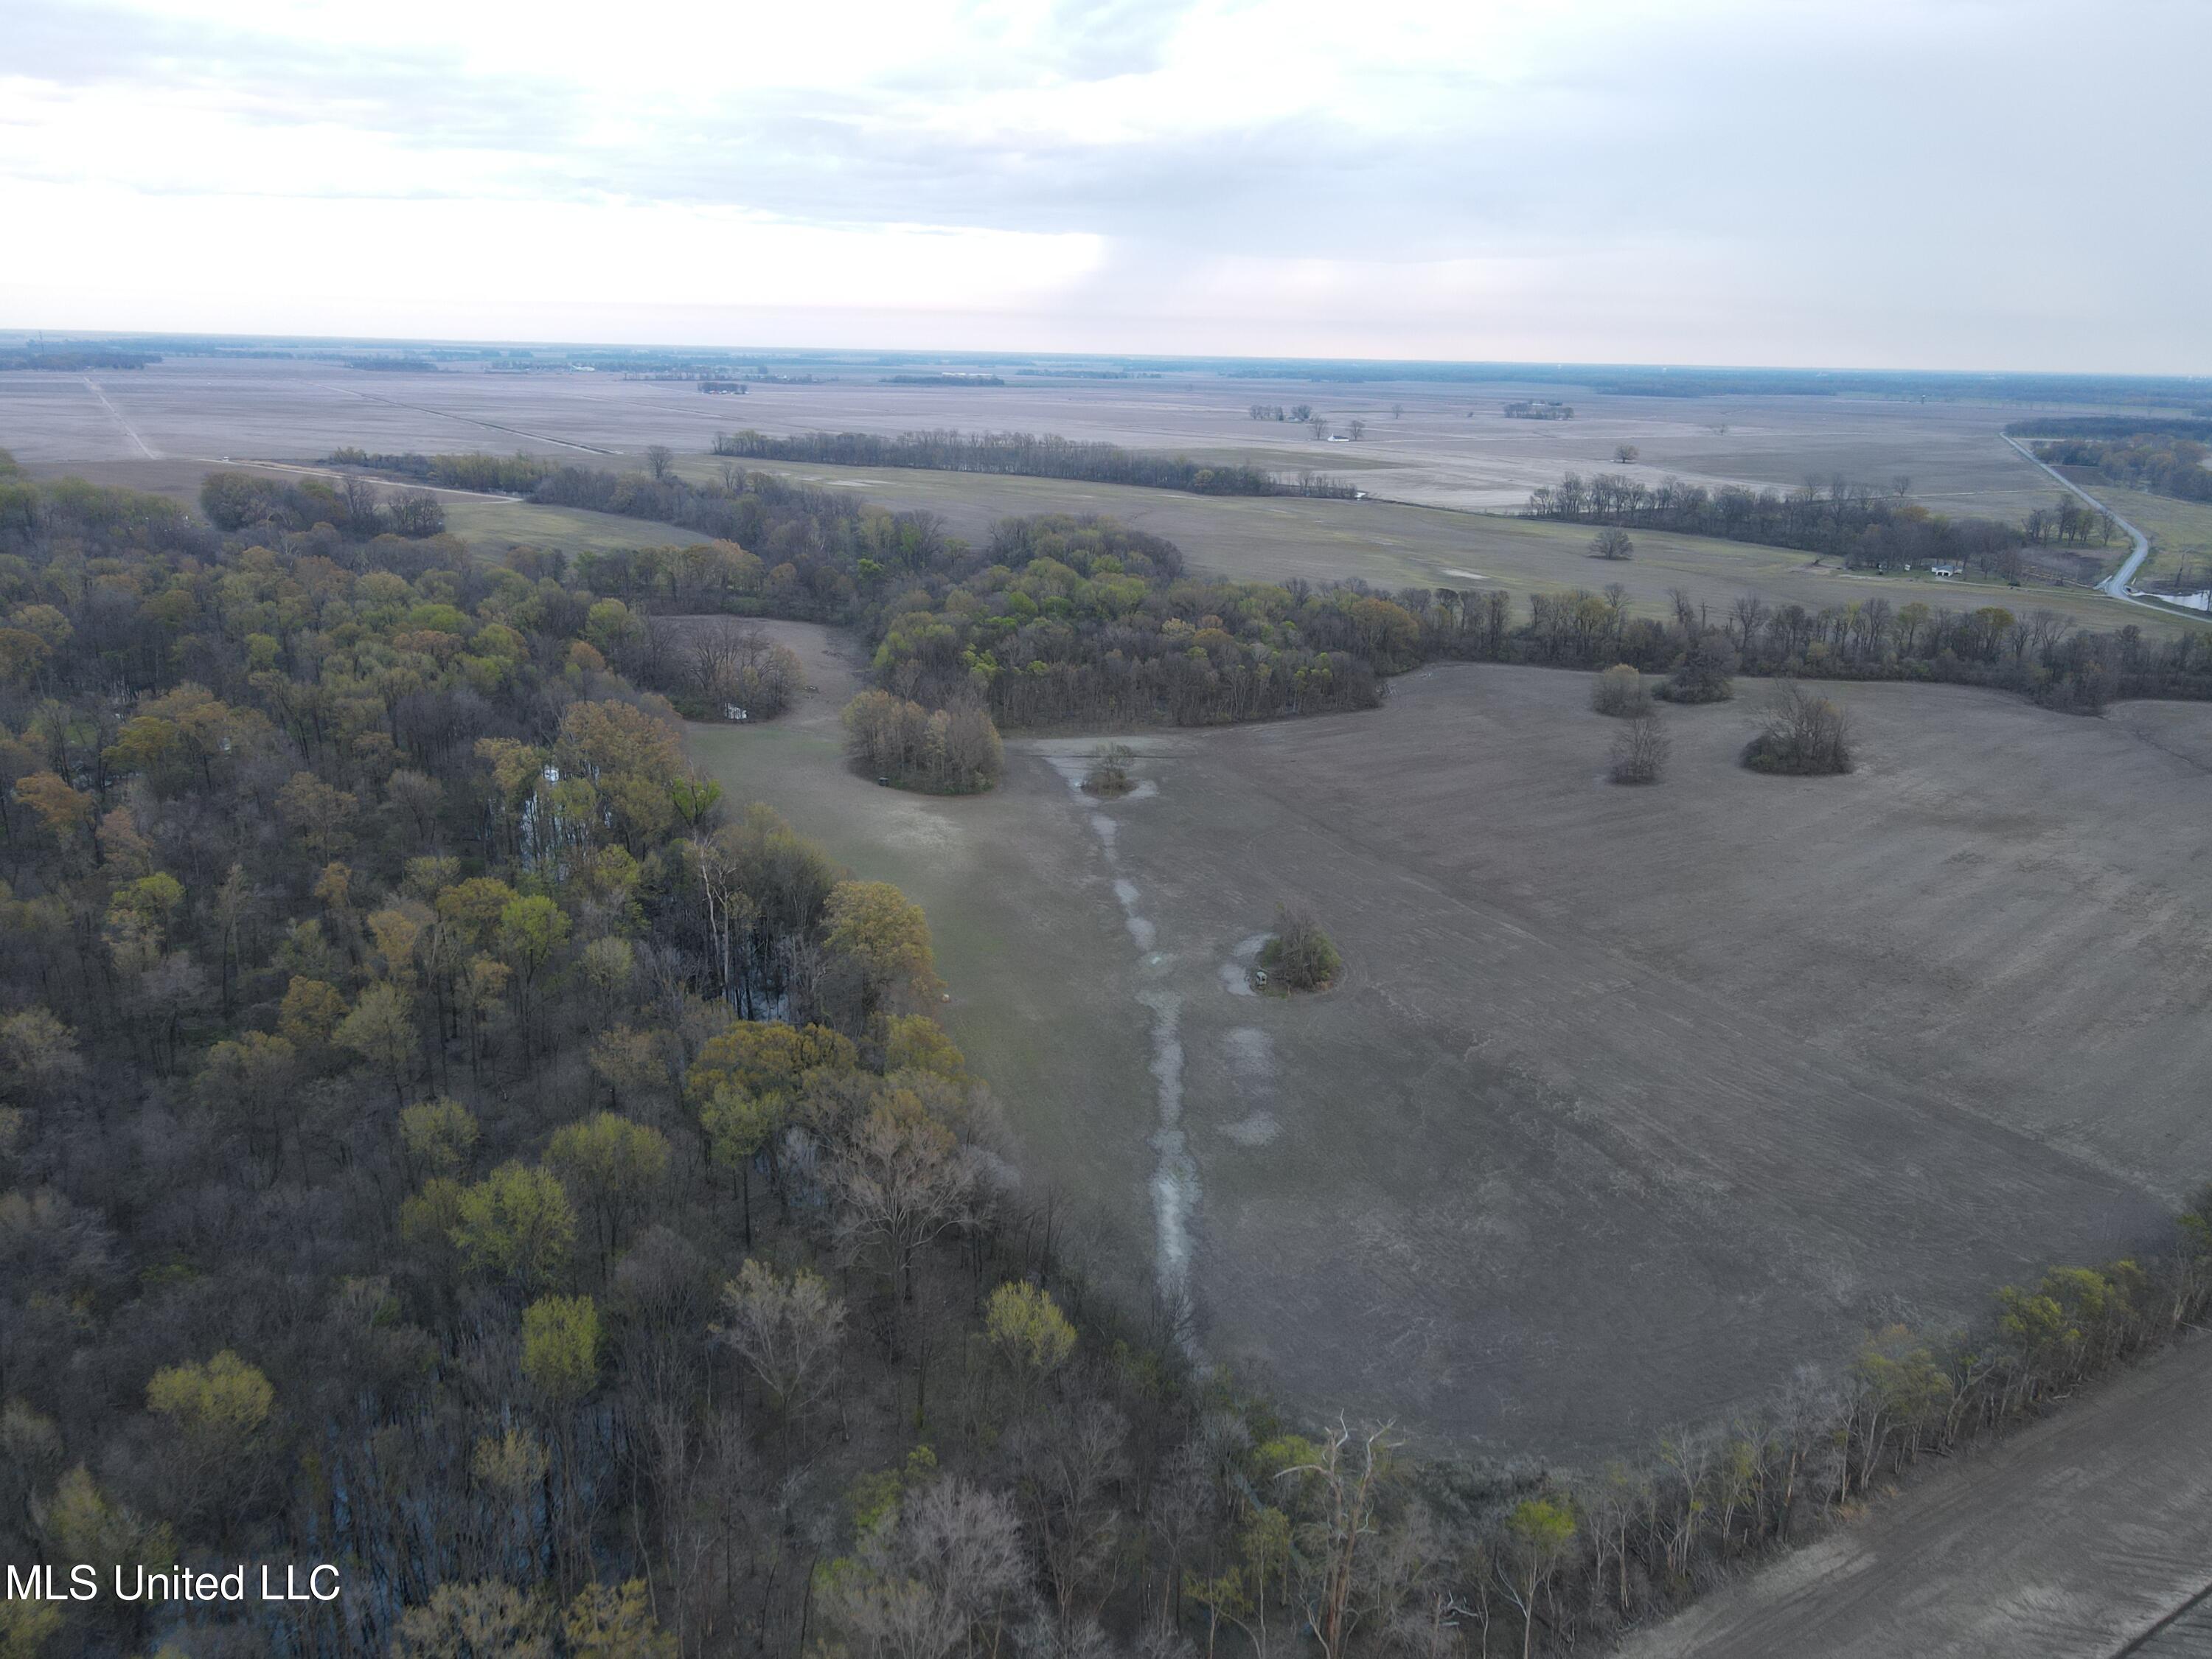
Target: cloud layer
x,y
1942,183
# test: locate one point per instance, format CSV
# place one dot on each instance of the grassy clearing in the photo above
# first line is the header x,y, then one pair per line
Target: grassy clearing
x,y
492,526
2180,532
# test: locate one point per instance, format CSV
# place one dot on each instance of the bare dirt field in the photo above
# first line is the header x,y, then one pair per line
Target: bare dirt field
x,y
1452,445
2068,1542
1629,1099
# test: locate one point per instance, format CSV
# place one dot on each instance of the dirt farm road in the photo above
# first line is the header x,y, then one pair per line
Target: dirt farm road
x,y
2081,1538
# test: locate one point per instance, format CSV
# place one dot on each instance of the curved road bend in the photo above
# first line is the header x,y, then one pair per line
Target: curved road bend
x,y
2085,1536
2117,583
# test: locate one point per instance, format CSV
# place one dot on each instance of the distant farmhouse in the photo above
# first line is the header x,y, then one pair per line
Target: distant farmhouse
x,y
1532,409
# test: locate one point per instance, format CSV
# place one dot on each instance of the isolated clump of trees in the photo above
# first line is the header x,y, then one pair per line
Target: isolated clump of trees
x,y
1640,749
1619,691
1613,543
946,751
1804,736
1298,956
711,665
1111,772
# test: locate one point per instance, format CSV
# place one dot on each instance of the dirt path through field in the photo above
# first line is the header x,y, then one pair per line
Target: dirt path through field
x,y
2071,1541
467,420
116,415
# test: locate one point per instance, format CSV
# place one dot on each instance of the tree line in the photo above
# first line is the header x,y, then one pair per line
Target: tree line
x,y
513,475
1864,528
2170,463
1112,628
1027,454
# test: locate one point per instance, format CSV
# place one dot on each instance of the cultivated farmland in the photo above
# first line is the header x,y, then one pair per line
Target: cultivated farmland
x,y
1451,448
1629,1100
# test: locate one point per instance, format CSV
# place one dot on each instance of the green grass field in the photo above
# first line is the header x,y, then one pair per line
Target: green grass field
x,y
2180,532
491,526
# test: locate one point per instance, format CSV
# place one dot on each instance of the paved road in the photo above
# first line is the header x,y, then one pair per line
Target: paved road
x,y
2073,1540
2117,583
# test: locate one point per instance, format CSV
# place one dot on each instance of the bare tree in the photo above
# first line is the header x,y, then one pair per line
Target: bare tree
x,y
900,1181
1359,430
658,459
788,1331
1611,542
1068,1467
1625,454
1639,750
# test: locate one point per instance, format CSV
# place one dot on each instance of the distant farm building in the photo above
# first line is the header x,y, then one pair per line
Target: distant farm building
x,y
1533,408
731,711
1946,568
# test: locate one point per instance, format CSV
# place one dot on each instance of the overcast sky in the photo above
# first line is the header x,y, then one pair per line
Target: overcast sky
x,y
1862,183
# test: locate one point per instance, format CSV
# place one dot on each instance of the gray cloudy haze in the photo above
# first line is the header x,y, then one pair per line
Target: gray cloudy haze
x,y
1948,184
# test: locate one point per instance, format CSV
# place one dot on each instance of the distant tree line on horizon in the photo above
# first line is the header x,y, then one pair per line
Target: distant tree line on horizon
x,y
73,359
1025,454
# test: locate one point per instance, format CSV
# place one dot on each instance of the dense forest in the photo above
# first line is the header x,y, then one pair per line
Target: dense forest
x,y
442,1137
2171,463
1026,455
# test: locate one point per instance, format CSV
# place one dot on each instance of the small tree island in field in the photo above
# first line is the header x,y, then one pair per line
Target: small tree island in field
x,y
1805,736
1109,776
1299,956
